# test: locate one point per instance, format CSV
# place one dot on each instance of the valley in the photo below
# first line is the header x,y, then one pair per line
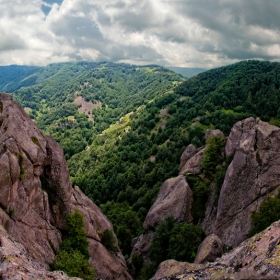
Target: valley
x,y
132,134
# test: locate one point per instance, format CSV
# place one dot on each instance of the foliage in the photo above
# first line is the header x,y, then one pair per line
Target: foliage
x,y
137,262
73,255
109,241
184,242
126,223
20,162
268,213
213,155
74,264
175,241
201,191
75,239
147,272
160,245
214,168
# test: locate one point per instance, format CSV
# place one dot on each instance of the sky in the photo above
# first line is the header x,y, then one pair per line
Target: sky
x,y
183,33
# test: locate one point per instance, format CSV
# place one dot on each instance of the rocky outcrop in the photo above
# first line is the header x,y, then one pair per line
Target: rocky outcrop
x,y
252,176
255,258
174,199
36,194
16,263
191,165
210,249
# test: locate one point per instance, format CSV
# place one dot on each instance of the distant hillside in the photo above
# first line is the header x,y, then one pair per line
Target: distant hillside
x,y
187,72
13,77
74,102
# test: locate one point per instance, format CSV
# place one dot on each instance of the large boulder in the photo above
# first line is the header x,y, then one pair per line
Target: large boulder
x,y
174,199
252,176
36,194
210,249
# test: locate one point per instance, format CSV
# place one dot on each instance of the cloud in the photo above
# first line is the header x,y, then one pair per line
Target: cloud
x,y
189,33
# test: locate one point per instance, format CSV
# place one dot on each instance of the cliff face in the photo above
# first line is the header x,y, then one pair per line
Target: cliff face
x,y
36,194
252,176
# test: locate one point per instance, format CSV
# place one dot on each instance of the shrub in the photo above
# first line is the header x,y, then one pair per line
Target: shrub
x,y
213,155
109,241
159,248
73,255
74,264
75,238
137,262
175,241
268,213
184,242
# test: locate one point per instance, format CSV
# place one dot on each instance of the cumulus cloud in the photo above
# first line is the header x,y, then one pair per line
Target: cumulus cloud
x,y
188,33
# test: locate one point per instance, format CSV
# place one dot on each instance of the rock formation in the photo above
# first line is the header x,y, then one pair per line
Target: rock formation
x,y
210,249
174,199
36,194
252,176
255,258
16,263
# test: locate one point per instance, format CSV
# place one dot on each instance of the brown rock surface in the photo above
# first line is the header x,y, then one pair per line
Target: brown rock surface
x,y
16,263
186,155
36,194
252,176
210,249
255,258
143,244
173,199
192,165
210,133
171,268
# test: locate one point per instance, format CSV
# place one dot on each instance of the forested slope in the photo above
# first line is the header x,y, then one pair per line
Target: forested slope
x,y
128,163
121,167
104,91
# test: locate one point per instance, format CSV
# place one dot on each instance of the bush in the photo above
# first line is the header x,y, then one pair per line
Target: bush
x,y
159,248
184,242
75,238
74,264
268,213
109,241
73,255
175,241
213,155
